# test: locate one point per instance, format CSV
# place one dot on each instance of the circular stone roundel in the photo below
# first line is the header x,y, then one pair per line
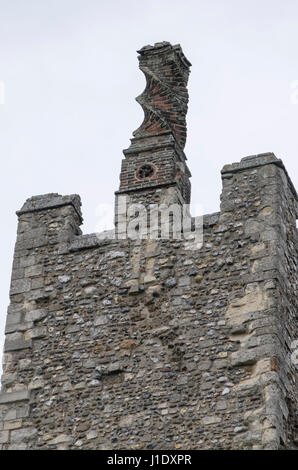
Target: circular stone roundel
x,y
145,171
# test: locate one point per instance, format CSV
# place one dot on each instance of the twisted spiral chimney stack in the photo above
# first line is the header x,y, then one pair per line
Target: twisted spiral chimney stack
x,y
155,158
165,97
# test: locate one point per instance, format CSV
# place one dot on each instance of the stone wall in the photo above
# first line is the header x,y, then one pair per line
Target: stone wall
x,y
122,344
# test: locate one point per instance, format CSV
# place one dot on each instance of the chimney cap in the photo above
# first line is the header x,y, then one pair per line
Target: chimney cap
x,y
164,46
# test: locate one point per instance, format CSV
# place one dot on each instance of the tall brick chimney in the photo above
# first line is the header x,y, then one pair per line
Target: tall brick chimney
x,y
154,169
142,343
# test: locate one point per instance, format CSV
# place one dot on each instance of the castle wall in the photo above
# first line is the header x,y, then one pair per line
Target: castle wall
x,y
143,344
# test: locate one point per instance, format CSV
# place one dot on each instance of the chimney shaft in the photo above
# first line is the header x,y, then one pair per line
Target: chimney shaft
x,y
155,160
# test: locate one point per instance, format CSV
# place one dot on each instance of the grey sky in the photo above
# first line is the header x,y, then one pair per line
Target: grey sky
x,y
71,76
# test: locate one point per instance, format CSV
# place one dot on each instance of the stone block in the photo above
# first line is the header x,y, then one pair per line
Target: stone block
x,y
208,420
13,397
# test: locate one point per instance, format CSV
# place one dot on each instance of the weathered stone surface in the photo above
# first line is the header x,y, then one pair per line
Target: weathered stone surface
x,y
17,345
22,435
12,397
20,286
208,420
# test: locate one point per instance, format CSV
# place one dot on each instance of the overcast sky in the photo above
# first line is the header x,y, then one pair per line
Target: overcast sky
x,y
70,72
